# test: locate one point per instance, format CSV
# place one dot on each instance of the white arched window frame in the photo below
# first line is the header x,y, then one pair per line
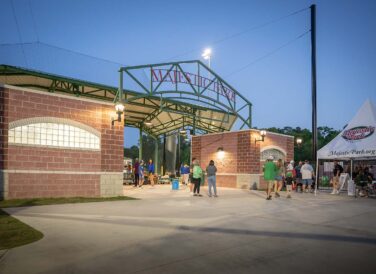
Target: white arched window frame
x,y
275,151
53,132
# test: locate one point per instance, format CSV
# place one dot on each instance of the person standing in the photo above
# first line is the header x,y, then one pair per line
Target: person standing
x,y
186,174
136,170
279,177
197,173
151,170
298,175
191,175
211,170
270,171
337,170
307,174
141,173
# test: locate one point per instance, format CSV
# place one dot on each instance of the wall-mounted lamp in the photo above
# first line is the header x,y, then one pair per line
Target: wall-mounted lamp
x,y
299,142
262,134
119,107
220,152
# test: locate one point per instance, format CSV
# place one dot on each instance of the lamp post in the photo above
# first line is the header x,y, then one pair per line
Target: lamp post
x,y
207,55
299,142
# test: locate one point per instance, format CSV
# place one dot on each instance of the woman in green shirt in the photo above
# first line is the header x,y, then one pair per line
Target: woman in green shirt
x,y
196,177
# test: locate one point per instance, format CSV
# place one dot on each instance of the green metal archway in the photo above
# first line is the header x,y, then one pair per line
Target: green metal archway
x,y
186,93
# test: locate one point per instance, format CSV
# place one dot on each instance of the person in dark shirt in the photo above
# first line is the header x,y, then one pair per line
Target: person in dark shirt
x,y
368,174
362,180
136,170
298,176
338,169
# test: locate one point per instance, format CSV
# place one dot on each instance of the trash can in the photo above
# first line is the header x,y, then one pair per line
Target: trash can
x,y
175,184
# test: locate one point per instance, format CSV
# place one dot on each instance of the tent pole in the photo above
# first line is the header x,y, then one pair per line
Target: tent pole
x,y
317,173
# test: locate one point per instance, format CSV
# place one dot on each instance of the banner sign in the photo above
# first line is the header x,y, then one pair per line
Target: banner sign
x,y
174,76
358,133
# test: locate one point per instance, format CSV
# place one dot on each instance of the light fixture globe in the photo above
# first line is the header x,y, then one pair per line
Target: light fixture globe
x,y
119,107
207,53
263,133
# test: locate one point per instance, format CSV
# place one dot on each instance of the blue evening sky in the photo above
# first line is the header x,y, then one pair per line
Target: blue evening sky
x,y
142,32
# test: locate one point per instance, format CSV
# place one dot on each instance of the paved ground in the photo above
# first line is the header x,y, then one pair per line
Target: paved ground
x,y
171,232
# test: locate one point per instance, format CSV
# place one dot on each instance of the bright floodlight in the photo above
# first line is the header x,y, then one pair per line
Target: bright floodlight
x,y
207,54
119,107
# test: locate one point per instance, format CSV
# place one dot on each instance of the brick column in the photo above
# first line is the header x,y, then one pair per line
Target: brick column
x,y
196,148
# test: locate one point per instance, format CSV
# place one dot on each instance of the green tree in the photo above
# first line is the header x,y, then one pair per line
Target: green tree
x,y
131,152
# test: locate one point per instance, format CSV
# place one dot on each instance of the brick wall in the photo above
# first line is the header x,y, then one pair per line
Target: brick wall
x,y
3,127
79,169
240,164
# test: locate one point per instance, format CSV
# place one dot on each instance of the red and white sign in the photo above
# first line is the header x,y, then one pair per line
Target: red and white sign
x,y
358,133
174,77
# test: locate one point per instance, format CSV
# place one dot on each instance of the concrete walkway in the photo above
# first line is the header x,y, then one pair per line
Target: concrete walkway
x,y
172,232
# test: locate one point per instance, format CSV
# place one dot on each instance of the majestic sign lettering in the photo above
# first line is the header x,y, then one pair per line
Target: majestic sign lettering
x,y
358,133
174,77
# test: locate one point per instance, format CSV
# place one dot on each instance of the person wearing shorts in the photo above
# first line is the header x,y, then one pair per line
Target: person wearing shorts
x,y
279,177
307,174
289,180
298,176
270,172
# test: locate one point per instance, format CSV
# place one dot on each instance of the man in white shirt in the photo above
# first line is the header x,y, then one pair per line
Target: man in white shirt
x,y
307,174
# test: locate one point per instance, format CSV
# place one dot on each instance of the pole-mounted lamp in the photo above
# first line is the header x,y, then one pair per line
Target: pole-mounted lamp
x,y
119,107
299,142
207,55
262,134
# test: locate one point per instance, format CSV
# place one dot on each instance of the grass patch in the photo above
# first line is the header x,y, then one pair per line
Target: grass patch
x,y
15,233
56,201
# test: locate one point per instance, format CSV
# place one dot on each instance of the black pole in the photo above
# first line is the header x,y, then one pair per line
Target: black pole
x,y
313,63
177,164
164,155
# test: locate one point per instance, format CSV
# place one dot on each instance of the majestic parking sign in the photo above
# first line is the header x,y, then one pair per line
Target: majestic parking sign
x,y
358,133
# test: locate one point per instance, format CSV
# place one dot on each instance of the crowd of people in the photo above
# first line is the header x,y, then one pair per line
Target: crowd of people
x,y
276,175
191,176
298,177
302,178
139,173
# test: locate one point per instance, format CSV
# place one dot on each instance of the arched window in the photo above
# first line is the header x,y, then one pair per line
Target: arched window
x,y
276,152
53,132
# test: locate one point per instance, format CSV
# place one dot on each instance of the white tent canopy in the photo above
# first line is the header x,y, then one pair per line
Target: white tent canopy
x,y
357,140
